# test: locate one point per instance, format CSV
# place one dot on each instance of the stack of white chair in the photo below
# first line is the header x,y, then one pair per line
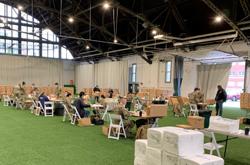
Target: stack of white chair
x,y
116,127
173,146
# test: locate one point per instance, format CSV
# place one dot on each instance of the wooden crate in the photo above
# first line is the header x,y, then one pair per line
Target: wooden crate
x,y
68,89
9,90
2,90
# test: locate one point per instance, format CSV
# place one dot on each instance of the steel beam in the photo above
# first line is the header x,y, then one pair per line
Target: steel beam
x,y
229,21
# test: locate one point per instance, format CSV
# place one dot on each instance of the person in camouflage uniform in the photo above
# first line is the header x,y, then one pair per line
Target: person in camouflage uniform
x,y
196,97
57,90
121,110
34,92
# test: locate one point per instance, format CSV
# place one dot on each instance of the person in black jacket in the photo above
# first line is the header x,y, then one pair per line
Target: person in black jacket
x,y
110,93
220,98
80,105
96,91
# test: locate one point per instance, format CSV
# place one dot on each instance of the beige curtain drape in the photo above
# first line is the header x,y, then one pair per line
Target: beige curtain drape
x,y
112,75
42,72
248,80
209,76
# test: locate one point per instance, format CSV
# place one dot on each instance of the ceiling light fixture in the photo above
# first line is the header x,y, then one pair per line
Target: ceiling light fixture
x,y
115,41
218,19
71,19
154,32
87,47
19,7
159,36
106,5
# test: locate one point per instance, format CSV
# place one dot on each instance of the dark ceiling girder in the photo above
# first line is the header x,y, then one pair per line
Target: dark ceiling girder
x,y
86,22
177,15
119,39
229,21
245,7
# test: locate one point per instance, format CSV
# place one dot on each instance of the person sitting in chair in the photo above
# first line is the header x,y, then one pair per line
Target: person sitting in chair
x,y
196,97
67,101
80,105
43,98
128,124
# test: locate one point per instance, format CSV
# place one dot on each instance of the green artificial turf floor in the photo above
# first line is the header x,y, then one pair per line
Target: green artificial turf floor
x,y
26,139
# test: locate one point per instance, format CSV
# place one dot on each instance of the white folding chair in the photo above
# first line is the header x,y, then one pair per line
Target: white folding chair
x,y
194,110
33,106
109,107
18,103
39,105
6,100
155,124
213,145
48,108
138,105
12,102
75,116
66,113
119,128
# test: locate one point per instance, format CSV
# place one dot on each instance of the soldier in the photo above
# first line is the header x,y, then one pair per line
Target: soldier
x,y
57,90
22,93
196,97
128,124
34,92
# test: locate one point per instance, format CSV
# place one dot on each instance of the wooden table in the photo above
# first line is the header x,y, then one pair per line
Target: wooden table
x,y
203,105
96,106
146,117
56,100
230,136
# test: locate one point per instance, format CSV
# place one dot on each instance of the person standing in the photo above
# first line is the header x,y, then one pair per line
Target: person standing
x,y
220,98
57,90
96,91
110,93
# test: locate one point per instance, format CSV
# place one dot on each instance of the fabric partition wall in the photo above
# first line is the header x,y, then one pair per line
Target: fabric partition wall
x,y
247,86
112,75
178,75
209,76
42,72
84,76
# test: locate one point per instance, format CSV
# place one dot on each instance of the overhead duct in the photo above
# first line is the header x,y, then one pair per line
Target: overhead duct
x,y
206,39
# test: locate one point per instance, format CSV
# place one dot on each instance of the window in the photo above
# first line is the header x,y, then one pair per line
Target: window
x,y
65,54
2,46
134,70
24,39
168,71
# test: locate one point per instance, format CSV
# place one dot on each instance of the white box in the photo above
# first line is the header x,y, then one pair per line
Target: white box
x,y
153,156
140,148
183,142
223,124
170,159
140,161
204,159
155,136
